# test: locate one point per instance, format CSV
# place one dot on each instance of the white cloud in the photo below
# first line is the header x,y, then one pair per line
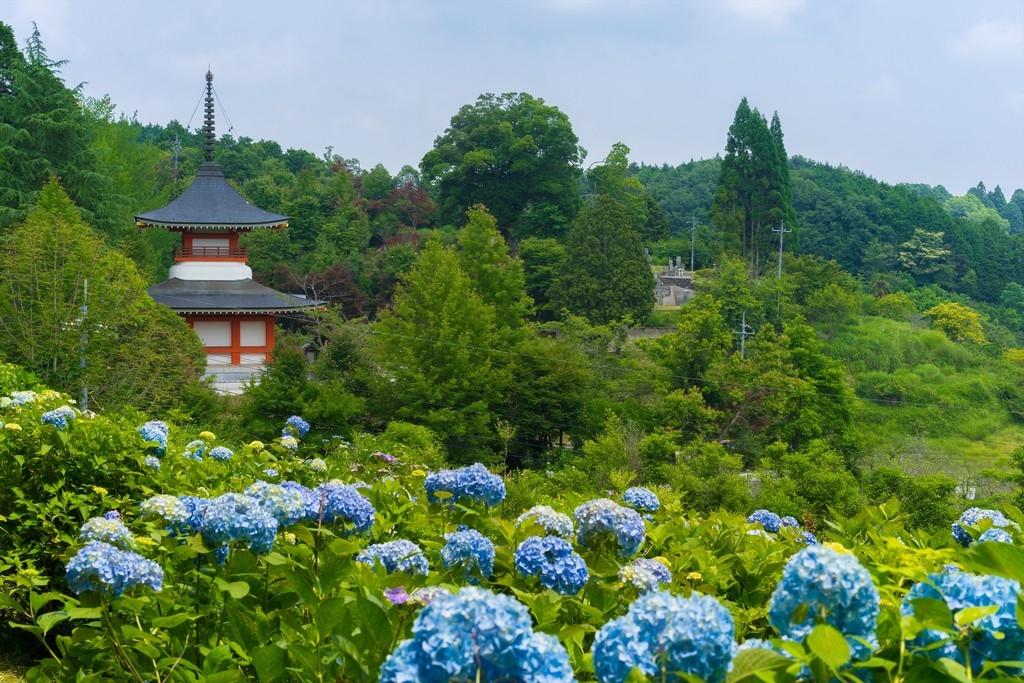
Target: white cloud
x,y
992,41
772,12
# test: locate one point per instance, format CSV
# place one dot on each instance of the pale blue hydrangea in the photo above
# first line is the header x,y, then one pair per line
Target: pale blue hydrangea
x,y
234,517
21,398
194,449
427,594
156,432
334,501
553,523
286,505
295,426
100,567
170,509
996,535
476,635
554,561
221,453
290,442
645,574
469,549
600,518
790,521
768,520
822,584
59,417
152,462
107,530
270,472
641,499
396,556
317,465
807,537
995,637
473,483
663,635
971,518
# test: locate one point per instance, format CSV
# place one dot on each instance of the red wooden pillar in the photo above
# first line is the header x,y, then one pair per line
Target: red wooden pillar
x,y
270,336
236,341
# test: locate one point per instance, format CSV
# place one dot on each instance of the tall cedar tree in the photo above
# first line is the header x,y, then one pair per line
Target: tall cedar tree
x,y
43,132
438,349
497,276
753,194
606,276
136,351
516,155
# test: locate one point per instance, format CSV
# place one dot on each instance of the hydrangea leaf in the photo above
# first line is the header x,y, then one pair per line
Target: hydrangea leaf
x,y
829,645
749,663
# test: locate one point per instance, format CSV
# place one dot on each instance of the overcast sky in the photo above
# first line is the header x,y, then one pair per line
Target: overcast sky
x,y
904,90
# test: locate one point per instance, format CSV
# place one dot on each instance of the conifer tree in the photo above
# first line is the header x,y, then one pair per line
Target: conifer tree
x,y
497,276
438,349
606,276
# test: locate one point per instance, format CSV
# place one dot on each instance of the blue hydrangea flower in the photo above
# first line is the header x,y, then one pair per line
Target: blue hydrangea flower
x,y
334,501
818,581
107,530
194,449
473,483
645,574
152,462
286,505
767,519
552,522
100,567
195,507
996,535
59,417
396,556
808,538
995,637
233,517
170,509
270,472
642,499
20,398
602,517
469,549
155,431
552,559
662,634
295,426
790,521
221,453
476,635
971,517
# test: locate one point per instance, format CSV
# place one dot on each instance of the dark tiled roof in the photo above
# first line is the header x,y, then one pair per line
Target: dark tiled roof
x,y
210,203
224,296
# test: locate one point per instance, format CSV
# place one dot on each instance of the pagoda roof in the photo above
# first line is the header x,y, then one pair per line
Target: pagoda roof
x,y
210,203
225,296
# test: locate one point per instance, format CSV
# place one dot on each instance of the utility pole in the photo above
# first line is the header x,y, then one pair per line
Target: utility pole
x,y
744,332
693,237
83,402
782,230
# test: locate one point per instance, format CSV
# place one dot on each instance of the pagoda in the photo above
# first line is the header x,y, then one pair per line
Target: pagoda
x,y
210,283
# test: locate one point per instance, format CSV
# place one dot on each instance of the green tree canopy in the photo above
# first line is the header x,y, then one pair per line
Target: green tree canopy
x,y
136,351
606,276
497,276
513,153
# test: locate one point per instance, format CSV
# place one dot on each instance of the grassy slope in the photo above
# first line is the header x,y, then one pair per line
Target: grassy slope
x,y
951,414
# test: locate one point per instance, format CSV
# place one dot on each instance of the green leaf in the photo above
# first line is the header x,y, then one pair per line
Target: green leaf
x,y
933,613
1002,559
829,645
40,600
749,662
172,620
84,613
954,669
51,619
236,589
969,615
330,614
269,662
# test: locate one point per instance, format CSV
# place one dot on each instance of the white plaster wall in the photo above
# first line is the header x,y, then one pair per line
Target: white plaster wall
x,y
213,332
253,332
210,270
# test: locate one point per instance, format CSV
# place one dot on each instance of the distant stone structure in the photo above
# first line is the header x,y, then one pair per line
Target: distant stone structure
x,y
674,285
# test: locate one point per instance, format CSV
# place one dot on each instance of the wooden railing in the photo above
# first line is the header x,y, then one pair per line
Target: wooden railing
x,y
210,252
